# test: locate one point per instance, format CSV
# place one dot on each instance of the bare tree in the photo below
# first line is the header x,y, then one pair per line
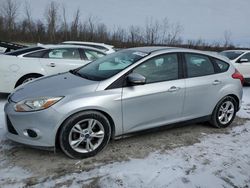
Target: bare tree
x,y
152,29
91,22
40,31
102,32
75,25
64,24
135,35
118,37
173,36
9,10
227,39
29,21
52,20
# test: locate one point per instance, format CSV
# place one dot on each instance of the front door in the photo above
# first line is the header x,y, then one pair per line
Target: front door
x,y
160,100
61,60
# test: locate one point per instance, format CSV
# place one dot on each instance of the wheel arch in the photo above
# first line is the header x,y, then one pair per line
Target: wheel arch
x,y
110,119
236,99
25,76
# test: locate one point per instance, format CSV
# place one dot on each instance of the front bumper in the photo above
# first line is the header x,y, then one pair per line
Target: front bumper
x,y
44,123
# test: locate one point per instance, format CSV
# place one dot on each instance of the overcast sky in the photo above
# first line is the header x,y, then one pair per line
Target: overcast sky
x,y
205,19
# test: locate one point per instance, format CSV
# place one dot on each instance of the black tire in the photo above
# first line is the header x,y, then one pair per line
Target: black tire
x,y
27,77
68,125
215,116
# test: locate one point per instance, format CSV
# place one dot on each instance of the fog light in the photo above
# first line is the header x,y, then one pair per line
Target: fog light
x,y
30,133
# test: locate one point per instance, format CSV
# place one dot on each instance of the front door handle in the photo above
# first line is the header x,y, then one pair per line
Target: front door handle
x,y
52,65
216,82
173,89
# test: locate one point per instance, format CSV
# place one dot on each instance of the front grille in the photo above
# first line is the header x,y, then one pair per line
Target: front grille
x,y
10,127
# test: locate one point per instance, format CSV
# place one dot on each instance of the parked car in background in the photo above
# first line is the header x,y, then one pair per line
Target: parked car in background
x,y
127,91
241,60
9,46
26,64
108,49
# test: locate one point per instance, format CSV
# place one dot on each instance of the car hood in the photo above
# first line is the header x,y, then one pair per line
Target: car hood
x,y
63,84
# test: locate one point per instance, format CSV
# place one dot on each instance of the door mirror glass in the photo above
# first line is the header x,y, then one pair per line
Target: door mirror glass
x,y
136,79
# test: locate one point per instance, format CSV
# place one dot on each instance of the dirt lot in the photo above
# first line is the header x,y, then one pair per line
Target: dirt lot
x,y
40,166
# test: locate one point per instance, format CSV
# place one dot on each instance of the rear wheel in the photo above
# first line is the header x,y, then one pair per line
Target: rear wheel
x,y
224,112
84,134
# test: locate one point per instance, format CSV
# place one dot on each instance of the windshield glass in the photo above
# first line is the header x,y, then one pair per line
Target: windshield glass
x,y
231,54
110,65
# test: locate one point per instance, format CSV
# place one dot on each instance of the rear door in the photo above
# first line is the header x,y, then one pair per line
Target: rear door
x,y
202,86
160,100
61,60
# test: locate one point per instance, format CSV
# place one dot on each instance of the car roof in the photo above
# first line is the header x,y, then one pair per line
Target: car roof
x,y
93,43
151,49
157,49
236,51
53,46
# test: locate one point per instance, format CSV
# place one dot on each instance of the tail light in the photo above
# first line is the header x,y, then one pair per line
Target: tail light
x,y
238,75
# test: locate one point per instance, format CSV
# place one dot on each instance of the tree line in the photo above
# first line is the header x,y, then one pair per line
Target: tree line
x,y
57,28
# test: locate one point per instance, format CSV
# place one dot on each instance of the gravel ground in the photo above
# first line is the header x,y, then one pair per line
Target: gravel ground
x,y
21,166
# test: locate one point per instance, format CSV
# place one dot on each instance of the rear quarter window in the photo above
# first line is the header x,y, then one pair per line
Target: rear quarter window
x,y
220,65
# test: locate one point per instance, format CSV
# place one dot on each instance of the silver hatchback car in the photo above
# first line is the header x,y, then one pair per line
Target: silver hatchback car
x,y
127,91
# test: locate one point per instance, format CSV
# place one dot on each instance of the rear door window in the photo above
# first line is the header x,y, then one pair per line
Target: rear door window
x,y
198,65
63,53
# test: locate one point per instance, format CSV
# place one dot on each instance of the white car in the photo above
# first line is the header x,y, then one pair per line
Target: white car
x,y
108,49
241,60
26,64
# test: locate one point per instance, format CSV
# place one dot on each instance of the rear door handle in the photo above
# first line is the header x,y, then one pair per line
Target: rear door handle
x,y
52,65
216,82
173,89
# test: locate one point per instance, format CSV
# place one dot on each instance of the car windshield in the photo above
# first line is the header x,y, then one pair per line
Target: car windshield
x,y
231,54
109,65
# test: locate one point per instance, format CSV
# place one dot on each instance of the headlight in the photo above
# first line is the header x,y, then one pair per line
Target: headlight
x,y
29,105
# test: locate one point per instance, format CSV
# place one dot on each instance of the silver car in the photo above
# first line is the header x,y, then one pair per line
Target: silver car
x,y
127,91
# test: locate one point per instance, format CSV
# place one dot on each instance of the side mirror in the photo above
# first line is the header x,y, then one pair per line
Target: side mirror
x,y
242,60
136,79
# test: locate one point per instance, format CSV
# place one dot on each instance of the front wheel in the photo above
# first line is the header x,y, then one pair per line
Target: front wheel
x,y
224,112
84,134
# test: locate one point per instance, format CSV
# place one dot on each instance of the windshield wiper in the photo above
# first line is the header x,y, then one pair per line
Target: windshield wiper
x,y
75,72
